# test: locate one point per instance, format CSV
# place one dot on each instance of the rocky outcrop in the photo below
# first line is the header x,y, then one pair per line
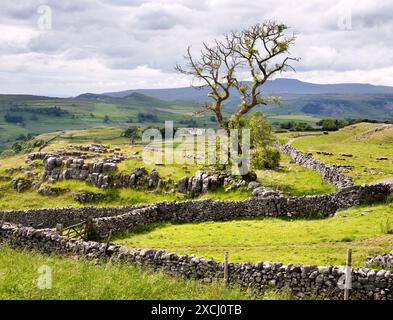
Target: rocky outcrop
x,y
263,192
20,185
203,182
87,197
153,179
331,173
50,191
384,260
182,184
96,148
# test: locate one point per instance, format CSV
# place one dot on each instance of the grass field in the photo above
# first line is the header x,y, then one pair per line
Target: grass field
x,y
84,114
366,143
81,280
366,230
294,180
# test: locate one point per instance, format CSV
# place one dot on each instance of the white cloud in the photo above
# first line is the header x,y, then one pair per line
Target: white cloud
x,y
110,45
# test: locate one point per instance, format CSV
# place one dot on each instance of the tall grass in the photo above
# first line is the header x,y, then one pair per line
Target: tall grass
x,y
81,280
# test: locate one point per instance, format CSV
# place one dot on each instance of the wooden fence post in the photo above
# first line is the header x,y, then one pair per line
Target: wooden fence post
x,y
108,241
226,277
89,229
59,228
348,275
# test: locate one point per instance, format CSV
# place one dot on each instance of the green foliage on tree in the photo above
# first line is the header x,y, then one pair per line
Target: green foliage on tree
x,y
106,119
332,124
265,158
260,130
296,126
263,155
133,133
261,50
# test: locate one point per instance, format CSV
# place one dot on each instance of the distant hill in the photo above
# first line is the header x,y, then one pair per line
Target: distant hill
x,y
277,87
303,102
132,97
346,100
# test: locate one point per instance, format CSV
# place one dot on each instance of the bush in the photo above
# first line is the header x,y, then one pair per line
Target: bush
x,y
260,130
296,126
265,158
133,133
332,124
147,117
10,118
7,153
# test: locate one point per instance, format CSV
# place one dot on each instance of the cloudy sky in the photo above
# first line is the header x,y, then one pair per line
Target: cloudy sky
x,y
69,47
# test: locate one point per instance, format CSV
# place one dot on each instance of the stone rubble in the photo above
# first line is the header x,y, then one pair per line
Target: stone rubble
x,y
384,260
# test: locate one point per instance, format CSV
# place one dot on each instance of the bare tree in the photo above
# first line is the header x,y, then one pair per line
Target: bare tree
x,y
216,69
260,51
264,49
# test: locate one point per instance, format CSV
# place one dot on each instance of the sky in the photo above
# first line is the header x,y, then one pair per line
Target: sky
x,y
65,48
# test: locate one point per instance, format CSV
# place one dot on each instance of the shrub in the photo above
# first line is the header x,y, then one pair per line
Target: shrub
x,y
296,126
106,119
265,158
7,153
133,133
10,118
260,130
332,124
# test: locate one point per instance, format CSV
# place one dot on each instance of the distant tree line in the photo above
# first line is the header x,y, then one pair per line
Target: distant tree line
x,y
13,118
26,143
191,123
331,124
328,124
147,117
296,126
48,111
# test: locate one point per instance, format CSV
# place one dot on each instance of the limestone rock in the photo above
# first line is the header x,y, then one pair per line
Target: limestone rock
x,y
182,185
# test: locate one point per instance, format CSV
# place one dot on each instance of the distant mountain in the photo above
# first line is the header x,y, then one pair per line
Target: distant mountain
x,y
276,87
134,97
93,96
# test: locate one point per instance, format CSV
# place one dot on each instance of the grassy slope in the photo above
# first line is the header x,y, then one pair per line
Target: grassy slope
x,y
77,279
365,141
318,241
295,180
291,178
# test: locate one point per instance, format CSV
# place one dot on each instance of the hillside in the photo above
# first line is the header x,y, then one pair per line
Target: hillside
x,y
347,100
23,115
278,86
365,149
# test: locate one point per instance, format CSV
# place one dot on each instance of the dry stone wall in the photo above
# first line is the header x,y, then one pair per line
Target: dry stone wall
x,y
48,218
333,174
301,280
121,218
214,210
